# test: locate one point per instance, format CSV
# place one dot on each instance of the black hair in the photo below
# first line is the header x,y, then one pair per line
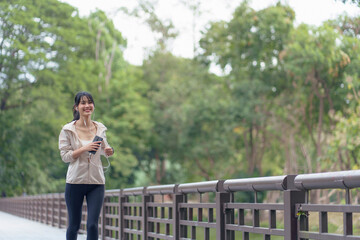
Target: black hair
x,y
78,98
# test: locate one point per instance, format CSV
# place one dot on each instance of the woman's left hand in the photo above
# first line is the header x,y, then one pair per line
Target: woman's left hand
x,y
109,151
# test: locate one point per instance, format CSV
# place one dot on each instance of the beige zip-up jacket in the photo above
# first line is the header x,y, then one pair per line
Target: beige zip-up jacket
x,y
81,170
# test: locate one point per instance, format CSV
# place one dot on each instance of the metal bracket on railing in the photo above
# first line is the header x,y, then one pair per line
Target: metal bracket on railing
x,y
347,191
348,196
232,197
307,195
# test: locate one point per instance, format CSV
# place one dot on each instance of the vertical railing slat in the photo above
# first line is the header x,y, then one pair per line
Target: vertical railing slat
x,y
323,222
348,223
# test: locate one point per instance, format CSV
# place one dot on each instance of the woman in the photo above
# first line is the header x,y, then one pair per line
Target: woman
x,y
85,176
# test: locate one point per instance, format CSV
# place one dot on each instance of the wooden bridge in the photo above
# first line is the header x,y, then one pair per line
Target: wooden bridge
x,y
212,210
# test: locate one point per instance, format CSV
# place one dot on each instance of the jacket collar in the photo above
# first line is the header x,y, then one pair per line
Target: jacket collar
x,y
71,126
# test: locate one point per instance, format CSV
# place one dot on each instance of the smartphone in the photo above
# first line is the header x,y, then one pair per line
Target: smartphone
x,y
96,139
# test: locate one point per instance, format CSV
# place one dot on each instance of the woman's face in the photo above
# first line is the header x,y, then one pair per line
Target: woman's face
x,y
85,107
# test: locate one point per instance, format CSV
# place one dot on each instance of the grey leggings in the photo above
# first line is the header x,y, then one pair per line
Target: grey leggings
x,y
74,197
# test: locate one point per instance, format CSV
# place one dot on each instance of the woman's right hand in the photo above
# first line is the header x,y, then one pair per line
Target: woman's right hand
x,y
93,146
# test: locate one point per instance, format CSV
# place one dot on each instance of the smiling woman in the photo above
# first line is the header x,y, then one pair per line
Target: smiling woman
x,y
85,102
85,176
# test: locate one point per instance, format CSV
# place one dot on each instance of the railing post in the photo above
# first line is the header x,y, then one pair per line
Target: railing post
x,y
27,208
43,209
21,207
38,209
30,206
103,212
177,198
121,216
52,209
35,208
24,207
123,199
59,210
145,199
292,196
222,197
46,208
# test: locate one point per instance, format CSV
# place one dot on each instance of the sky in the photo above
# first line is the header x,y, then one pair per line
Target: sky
x,y
140,39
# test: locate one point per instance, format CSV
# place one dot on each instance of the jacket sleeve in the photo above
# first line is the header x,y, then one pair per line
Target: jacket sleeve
x,y
66,150
105,145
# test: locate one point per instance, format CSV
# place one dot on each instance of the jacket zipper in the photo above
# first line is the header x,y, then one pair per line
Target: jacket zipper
x,y
88,173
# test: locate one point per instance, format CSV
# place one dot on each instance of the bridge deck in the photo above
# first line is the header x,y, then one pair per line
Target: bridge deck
x,y
16,228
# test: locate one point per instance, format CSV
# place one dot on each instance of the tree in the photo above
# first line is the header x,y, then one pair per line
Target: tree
x,y
164,30
165,75
247,48
357,2
48,53
316,65
36,39
343,146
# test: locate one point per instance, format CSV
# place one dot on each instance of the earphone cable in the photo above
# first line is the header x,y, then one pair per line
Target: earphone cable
x,y
90,155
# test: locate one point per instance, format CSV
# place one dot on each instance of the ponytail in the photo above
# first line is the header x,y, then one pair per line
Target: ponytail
x,y
76,114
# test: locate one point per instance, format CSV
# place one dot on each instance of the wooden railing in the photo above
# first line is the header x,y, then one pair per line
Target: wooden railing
x,y
212,210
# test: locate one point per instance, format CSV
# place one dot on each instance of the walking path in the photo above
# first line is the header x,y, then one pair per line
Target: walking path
x,y
17,228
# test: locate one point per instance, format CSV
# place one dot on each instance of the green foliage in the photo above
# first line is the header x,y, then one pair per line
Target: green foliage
x,y
48,54
288,101
357,2
34,45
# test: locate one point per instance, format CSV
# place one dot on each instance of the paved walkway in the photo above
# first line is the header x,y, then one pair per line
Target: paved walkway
x,y
17,228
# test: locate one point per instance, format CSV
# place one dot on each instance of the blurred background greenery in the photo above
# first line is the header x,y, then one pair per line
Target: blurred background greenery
x,y
287,103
